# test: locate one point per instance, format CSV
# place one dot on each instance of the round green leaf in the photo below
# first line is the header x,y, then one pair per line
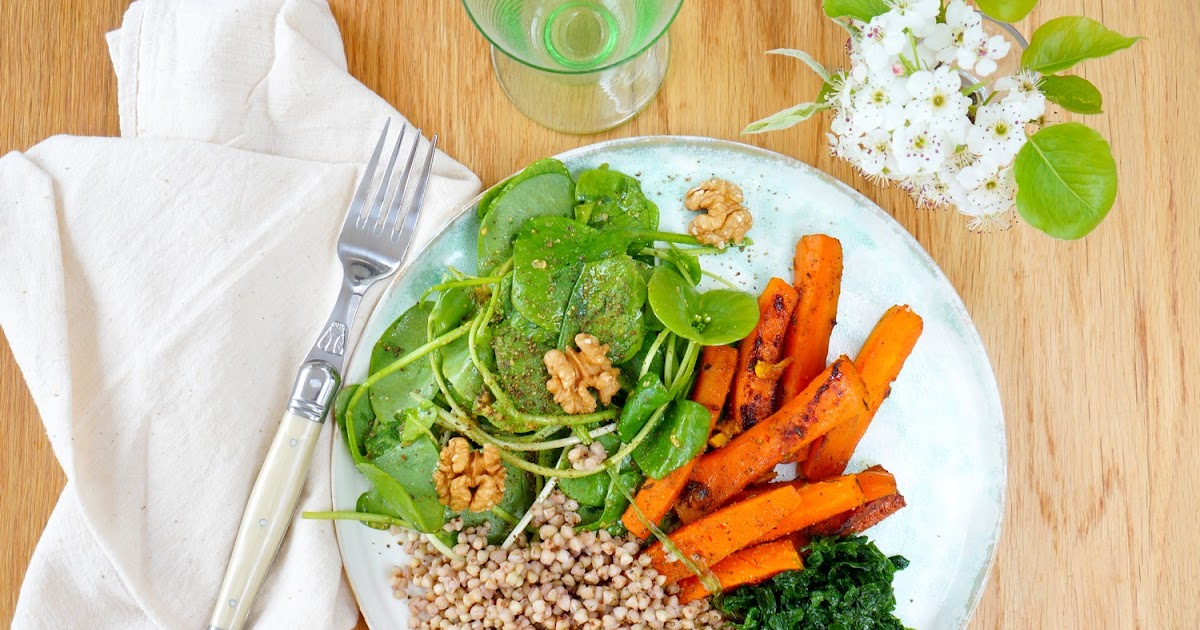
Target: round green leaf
x,y
1066,179
1006,10
547,194
1066,41
1074,94
713,318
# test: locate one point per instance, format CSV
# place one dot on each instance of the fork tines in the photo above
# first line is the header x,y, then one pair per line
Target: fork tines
x,y
388,213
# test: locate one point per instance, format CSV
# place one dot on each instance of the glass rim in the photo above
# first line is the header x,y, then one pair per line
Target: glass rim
x,y
635,54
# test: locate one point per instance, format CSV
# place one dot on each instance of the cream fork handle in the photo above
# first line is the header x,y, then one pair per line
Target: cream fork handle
x,y
268,513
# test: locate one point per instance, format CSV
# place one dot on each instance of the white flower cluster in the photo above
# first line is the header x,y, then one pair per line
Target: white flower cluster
x,y
903,112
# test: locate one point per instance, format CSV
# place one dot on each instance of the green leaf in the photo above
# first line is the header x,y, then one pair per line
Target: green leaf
x,y
542,166
466,383
1074,94
548,256
417,423
862,10
363,416
786,118
607,303
647,396
548,194
389,496
675,441
519,348
1066,180
1066,41
806,58
713,318
395,392
619,485
612,199
1006,10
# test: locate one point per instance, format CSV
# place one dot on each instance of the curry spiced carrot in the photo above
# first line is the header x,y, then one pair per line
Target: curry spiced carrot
x,y
818,501
718,535
748,566
753,396
879,362
833,398
657,496
860,519
875,482
818,280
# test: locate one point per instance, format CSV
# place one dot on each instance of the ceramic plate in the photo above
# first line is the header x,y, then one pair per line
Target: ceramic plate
x,y
941,432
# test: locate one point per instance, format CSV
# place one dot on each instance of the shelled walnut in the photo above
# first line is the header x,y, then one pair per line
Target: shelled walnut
x,y
574,372
725,220
467,479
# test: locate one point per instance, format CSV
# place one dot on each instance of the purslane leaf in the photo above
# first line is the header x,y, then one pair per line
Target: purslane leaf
x,y
806,58
1074,94
786,118
1066,180
1006,10
862,10
1066,41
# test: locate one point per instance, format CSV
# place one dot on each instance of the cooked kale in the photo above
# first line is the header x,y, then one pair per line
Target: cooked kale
x,y
846,584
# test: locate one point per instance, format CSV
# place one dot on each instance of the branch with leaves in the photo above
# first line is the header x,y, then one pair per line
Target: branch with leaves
x,y
916,108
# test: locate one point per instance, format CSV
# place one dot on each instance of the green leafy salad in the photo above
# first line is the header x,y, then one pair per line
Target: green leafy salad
x,y
557,257
566,362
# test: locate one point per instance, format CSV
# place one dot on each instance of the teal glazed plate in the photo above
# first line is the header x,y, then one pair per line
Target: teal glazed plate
x,y
941,432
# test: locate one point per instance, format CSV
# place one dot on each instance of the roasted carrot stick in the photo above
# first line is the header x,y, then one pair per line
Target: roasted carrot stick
x,y
876,482
818,501
860,519
657,497
717,536
717,365
818,280
748,566
753,396
879,362
835,397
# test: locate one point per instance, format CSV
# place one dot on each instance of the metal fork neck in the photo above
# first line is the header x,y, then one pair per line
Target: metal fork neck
x,y
319,377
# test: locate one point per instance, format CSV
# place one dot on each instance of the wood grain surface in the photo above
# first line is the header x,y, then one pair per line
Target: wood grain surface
x,y
1091,340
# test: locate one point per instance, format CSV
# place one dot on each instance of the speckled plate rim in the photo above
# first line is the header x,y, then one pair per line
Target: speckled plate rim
x,y
898,231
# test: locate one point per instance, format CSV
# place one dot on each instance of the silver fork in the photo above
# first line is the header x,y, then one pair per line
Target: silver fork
x,y
373,242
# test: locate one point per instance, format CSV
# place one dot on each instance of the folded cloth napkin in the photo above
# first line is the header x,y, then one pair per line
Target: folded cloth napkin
x,y
159,291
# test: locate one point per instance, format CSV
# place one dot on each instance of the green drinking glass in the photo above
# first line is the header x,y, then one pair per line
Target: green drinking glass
x,y
577,66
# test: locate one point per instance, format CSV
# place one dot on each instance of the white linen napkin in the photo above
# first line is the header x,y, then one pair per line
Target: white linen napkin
x,y
159,291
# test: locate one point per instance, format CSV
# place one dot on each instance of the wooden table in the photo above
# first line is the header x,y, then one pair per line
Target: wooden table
x,y
1091,340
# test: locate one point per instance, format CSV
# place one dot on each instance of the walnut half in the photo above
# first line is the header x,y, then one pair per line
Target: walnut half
x,y
573,372
726,220
469,480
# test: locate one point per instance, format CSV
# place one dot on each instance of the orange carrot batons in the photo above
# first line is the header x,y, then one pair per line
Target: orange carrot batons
x,y
876,482
716,368
886,349
818,501
818,281
879,362
715,537
748,566
860,519
835,397
753,396
657,497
